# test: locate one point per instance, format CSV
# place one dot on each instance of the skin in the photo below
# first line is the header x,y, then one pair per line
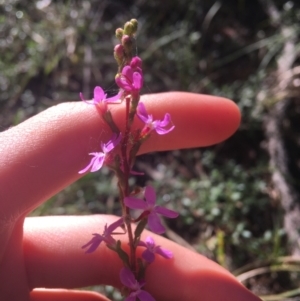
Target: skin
x,y
43,155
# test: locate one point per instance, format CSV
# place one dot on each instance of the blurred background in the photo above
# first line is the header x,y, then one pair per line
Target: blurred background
x,y
239,201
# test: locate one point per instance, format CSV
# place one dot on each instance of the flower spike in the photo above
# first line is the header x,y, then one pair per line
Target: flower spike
x,y
141,253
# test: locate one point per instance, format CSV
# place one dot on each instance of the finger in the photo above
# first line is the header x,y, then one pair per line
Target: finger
x,y
64,295
43,155
200,120
53,256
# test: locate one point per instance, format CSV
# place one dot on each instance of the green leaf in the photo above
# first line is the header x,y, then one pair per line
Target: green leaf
x,y
139,229
122,254
142,269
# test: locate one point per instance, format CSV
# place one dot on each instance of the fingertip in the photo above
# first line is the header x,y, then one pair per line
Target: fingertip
x,y
199,120
193,277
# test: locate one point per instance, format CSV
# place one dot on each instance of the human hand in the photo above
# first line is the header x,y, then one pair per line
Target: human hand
x,y
43,155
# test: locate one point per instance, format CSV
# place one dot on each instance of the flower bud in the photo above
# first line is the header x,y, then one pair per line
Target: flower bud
x,y
134,23
119,50
128,28
136,62
126,40
119,33
127,44
119,53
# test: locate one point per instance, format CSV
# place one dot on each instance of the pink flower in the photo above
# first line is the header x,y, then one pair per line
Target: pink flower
x,y
98,158
128,279
150,124
150,209
94,243
130,80
136,64
151,249
100,97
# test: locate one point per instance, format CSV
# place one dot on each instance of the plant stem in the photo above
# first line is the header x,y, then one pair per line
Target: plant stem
x,y
125,192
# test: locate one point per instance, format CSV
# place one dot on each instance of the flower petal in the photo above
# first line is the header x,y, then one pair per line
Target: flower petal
x,y
112,143
123,82
128,73
81,96
99,95
135,203
165,121
88,166
126,81
145,296
166,212
114,226
90,102
159,130
154,224
159,125
142,244
142,113
164,253
116,98
150,241
127,278
93,243
98,162
137,80
150,196
148,256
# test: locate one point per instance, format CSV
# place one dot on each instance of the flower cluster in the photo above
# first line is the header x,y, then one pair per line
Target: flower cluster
x,y
118,154
130,79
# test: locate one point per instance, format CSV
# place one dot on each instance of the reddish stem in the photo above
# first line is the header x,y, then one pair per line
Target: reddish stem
x,y
125,192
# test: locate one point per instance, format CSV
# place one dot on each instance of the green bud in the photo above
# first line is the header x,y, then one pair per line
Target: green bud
x,y
128,28
119,33
134,23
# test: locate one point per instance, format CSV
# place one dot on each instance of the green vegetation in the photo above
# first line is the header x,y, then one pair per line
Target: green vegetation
x,y
232,202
